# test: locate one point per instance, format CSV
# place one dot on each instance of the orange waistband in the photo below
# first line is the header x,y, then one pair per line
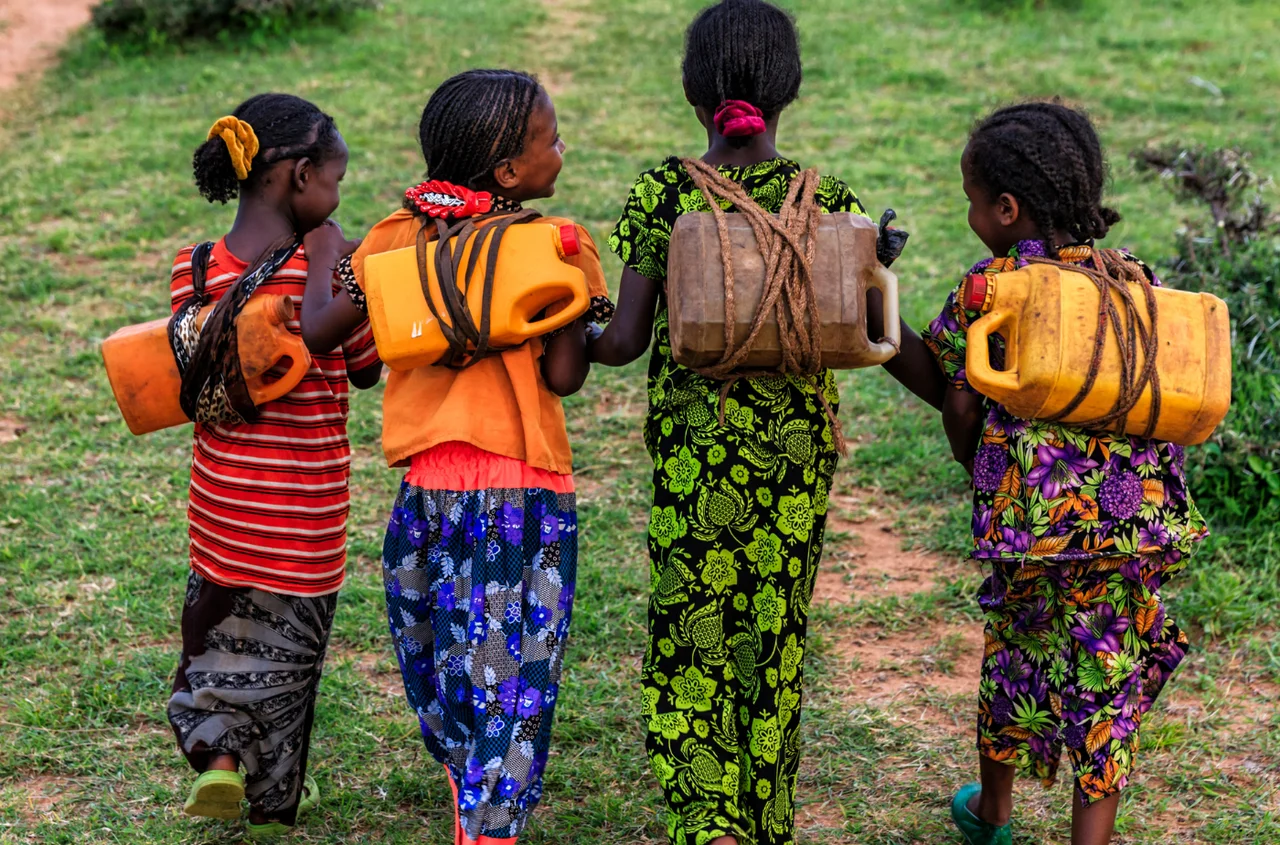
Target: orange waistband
x,y
460,466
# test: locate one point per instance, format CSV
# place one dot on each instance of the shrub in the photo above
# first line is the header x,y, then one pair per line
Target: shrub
x,y
148,21
1234,254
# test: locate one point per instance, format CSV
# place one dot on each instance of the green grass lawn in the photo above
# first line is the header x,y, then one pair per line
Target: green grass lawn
x,y
96,196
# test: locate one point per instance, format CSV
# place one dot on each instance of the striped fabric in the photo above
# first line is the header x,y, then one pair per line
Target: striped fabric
x,y
269,499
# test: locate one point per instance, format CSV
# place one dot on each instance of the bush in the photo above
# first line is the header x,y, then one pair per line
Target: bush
x,y
1235,255
148,21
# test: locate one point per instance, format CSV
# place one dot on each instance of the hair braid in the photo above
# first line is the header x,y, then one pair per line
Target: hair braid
x,y
1049,157
473,122
287,127
742,50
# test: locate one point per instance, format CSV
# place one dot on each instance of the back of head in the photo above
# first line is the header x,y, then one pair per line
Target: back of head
x,y
742,50
1048,156
473,122
286,127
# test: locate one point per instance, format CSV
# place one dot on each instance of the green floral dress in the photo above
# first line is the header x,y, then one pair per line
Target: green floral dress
x,y
735,536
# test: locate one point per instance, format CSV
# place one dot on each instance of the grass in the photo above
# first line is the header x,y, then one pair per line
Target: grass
x,y
96,196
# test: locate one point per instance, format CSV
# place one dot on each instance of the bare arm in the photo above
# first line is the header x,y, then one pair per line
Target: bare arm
x,y
366,378
962,420
627,336
564,359
914,365
327,319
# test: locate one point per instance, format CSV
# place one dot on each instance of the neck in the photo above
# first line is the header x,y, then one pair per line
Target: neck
x,y
760,148
259,225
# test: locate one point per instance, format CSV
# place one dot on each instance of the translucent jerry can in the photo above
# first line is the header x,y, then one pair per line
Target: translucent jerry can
x,y
144,375
845,267
1049,318
530,274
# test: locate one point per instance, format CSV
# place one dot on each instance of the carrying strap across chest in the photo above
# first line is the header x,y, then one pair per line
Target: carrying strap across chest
x,y
208,356
468,341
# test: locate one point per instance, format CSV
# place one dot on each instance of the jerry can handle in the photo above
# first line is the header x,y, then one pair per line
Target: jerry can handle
x,y
883,280
294,349
575,309
977,356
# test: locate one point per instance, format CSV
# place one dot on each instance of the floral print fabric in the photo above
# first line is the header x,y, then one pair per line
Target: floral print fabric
x,y
1076,654
479,588
735,537
1057,492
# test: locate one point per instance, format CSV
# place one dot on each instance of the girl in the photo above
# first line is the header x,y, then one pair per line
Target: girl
x,y
736,529
268,496
1080,528
481,552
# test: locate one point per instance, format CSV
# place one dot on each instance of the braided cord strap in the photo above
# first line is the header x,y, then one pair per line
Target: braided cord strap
x,y
788,243
1111,274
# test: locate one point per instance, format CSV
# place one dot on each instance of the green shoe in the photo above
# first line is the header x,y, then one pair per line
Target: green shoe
x,y
974,829
270,830
216,794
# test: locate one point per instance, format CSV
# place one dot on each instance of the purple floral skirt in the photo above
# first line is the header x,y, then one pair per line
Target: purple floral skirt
x,y
479,587
1076,654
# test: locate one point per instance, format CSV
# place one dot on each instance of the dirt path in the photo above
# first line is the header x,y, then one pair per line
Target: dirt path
x,y
30,33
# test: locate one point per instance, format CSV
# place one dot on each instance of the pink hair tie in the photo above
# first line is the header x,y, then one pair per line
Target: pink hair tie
x,y
739,119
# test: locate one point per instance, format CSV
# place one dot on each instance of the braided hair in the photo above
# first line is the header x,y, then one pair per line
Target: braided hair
x,y
742,50
473,122
287,127
1048,156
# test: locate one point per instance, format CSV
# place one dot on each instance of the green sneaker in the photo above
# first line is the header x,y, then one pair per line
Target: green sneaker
x,y
216,794
974,829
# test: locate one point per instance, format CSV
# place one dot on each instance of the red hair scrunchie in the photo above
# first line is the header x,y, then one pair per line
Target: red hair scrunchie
x,y
739,119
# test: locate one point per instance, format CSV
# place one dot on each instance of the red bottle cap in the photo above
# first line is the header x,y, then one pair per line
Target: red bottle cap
x,y
974,293
569,245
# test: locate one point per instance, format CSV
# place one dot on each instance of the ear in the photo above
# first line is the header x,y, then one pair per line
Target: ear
x,y
506,175
1007,209
302,173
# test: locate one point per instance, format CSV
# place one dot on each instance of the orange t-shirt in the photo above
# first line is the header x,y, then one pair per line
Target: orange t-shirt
x,y
500,405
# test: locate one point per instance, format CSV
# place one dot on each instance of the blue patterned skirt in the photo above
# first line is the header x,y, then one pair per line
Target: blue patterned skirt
x,y
479,587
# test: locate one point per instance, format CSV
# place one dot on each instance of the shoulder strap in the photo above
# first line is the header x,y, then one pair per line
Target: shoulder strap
x,y
200,267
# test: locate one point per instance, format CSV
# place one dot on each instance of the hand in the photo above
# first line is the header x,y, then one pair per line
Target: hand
x,y
593,332
968,467
327,244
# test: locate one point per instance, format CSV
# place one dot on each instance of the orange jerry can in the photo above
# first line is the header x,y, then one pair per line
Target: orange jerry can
x,y
144,375
1049,318
530,275
845,267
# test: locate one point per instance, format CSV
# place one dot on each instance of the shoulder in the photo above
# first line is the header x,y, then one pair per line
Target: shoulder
x,y
834,194
396,230
656,183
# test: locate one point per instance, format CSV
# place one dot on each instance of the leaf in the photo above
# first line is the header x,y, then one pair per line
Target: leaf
x,y
1049,546
1146,619
1055,704
1153,491
1108,564
1099,736
1011,484
993,647
1088,507
1027,572
1016,732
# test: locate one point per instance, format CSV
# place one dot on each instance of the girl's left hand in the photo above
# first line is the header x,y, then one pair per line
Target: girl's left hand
x,y
327,244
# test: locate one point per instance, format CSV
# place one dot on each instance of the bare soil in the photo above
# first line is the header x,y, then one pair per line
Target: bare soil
x,y
30,34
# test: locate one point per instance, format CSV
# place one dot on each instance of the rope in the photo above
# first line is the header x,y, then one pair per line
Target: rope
x,y
1111,274
788,243
466,339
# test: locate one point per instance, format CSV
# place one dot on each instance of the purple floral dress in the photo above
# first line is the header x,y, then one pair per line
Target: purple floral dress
x,y
1081,529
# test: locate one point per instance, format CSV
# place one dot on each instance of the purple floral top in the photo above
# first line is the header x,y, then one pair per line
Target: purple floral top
x,y
1058,492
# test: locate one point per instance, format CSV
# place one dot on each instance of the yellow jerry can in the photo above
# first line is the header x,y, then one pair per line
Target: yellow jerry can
x,y
1048,317
530,274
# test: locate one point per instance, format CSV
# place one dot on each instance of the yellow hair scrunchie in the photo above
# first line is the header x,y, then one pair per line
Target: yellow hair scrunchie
x,y
241,141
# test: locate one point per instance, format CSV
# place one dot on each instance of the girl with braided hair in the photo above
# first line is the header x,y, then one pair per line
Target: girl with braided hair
x,y
742,467
269,492
1080,528
480,556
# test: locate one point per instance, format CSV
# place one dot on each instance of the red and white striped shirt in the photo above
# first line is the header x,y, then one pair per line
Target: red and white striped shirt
x,y
269,499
